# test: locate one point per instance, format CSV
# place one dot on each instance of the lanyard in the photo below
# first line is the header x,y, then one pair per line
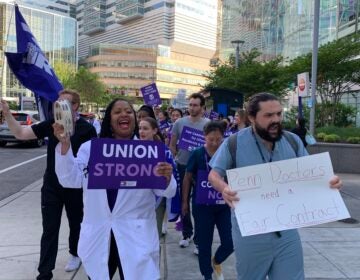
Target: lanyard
x,y
207,159
259,149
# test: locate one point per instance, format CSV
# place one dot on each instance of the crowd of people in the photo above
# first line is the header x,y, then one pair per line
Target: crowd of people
x,y
119,229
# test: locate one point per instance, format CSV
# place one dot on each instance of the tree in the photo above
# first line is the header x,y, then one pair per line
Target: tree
x,y
338,70
252,76
65,72
90,87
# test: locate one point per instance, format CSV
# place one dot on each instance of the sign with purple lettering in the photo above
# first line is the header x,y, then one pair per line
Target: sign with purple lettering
x,y
206,114
214,116
151,95
163,125
125,164
205,193
191,139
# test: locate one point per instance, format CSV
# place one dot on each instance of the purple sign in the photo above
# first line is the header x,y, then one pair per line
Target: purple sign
x,y
191,139
125,164
151,95
213,116
206,114
205,193
164,125
227,133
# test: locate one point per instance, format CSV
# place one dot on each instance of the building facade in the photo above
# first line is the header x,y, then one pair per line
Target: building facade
x,y
181,35
285,27
55,6
55,33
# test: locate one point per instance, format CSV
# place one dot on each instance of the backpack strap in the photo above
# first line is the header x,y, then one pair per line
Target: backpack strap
x,y
232,148
293,143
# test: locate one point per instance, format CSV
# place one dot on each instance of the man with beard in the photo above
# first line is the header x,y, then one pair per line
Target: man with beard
x,y
196,121
277,255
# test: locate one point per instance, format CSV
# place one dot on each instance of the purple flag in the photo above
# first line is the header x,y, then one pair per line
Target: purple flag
x,y
125,164
191,138
151,95
32,68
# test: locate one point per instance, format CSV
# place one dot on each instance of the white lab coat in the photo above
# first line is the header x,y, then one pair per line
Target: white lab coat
x,y
132,221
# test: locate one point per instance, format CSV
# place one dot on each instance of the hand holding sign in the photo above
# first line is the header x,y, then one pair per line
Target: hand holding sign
x,y
287,194
164,169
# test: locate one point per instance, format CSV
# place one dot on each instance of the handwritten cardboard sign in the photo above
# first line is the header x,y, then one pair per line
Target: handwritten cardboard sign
x,y
286,194
191,138
125,164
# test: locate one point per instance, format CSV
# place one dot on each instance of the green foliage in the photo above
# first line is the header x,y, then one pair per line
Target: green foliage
x,y
332,138
343,132
344,115
65,72
353,140
13,105
321,135
338,71
252,76
91,89
337,114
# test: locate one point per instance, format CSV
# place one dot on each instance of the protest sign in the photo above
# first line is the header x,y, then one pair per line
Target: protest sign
x,y
286,194
205,193
164,125
214,115
125,164
151,95
191,138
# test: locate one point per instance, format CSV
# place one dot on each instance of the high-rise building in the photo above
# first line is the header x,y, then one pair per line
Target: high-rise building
x,y
55,33
180,33
285,27
56,6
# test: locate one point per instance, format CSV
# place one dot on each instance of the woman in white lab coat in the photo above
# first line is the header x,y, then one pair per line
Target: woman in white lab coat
x,y
119,226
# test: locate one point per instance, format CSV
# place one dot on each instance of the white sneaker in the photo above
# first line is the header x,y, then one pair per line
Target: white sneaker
x,y
196,250
73,263
185,242
164,228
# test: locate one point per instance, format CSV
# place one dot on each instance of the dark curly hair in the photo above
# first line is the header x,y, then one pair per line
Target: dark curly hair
x,y
106,131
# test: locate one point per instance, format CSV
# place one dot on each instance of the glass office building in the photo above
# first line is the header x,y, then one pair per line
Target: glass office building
x,y
55,33
285,27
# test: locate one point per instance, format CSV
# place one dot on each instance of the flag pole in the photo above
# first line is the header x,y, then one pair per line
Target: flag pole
x,y
4,49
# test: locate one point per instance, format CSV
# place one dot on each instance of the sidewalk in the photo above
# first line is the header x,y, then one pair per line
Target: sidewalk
x,y
331,251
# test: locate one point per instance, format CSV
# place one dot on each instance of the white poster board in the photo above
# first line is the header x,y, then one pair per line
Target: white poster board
x,y
286,194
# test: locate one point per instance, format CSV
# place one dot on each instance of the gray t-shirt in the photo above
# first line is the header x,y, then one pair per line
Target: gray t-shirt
x,y
182,156
247,152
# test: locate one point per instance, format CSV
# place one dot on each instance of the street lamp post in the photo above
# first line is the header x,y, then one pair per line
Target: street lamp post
x,y
237,43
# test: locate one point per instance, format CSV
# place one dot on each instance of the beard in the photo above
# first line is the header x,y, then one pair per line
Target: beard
x,y
265,134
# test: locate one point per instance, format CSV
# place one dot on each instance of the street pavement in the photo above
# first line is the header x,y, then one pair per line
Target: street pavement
x,y
331,251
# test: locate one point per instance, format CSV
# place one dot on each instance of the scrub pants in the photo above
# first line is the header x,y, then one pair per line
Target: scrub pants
x,y
278,256
206,218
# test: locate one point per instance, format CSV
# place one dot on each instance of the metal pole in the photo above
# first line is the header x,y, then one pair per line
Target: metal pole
x,y
356,16
314,63
237,56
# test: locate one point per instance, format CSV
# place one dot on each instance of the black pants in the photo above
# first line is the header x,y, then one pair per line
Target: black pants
x,y
114,259
206,218
52,201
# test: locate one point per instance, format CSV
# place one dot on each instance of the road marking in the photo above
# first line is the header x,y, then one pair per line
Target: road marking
x,y
25,162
